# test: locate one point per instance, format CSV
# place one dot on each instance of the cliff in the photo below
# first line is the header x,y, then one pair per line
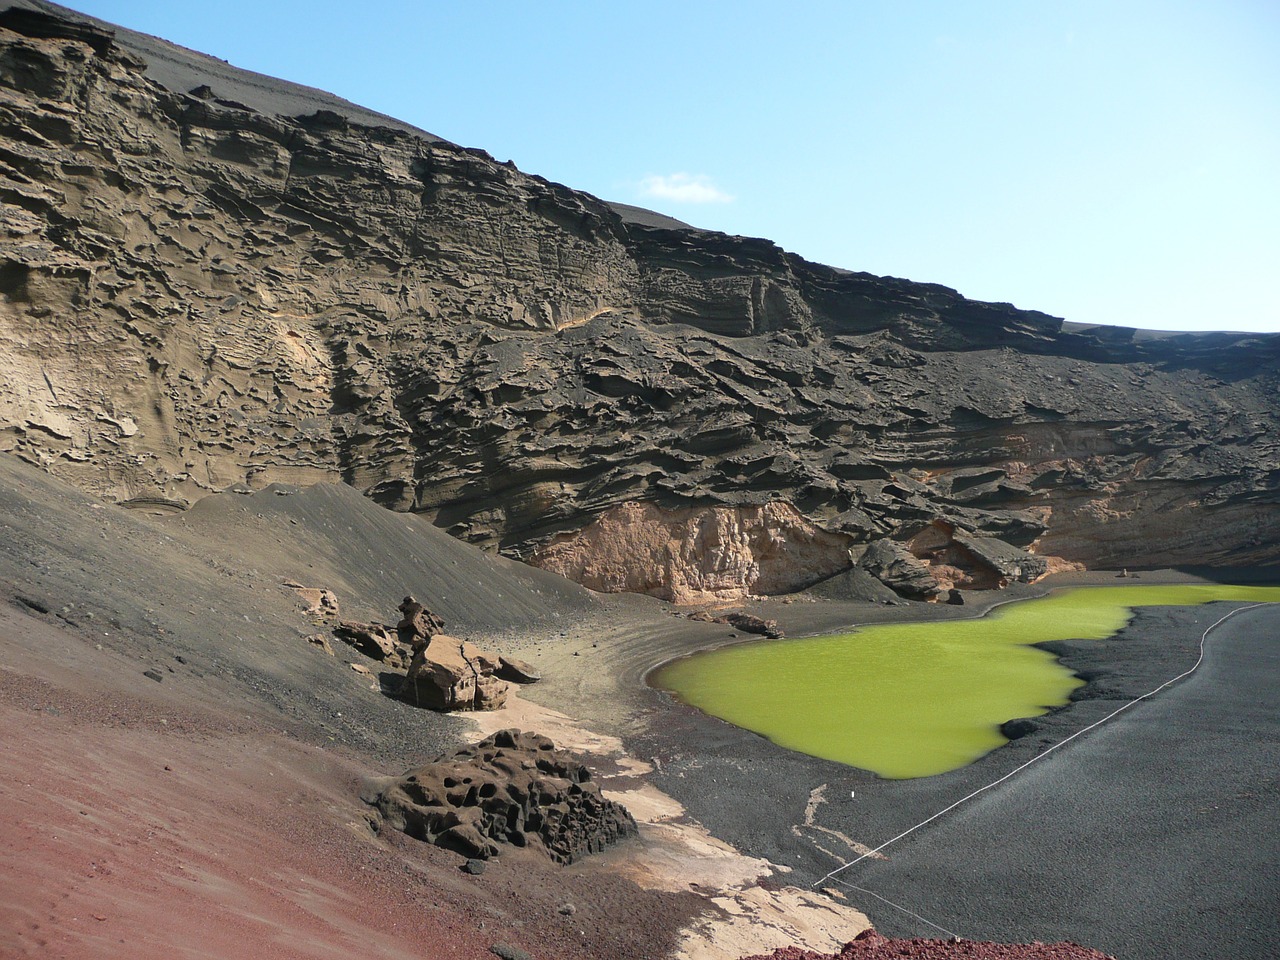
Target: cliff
x,y
228,281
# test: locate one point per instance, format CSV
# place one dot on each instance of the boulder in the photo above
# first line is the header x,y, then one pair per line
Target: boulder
x,y
746,622
451,674
970,561
511,788
750,623
373,640
517,671
1012,564
321,602
417,624
894,565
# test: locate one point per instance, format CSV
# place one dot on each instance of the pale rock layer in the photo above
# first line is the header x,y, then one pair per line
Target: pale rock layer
x,y
697,555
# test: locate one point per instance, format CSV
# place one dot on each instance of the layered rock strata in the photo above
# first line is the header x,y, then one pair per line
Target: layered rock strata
x,y
511,788
195,294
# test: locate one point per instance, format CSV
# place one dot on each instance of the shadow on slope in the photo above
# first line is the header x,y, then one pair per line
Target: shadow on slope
x,y
199,600
330,535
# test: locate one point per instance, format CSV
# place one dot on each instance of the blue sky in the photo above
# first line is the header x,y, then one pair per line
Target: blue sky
x,y
1110,162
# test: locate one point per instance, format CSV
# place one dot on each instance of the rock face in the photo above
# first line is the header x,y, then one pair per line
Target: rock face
x,y
697,555
511,788
196,294
451,674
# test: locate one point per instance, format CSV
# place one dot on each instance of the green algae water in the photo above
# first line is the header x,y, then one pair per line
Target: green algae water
x,y
916,699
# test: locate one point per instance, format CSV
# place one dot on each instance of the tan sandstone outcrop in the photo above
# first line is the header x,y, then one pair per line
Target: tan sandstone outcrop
x,y
452,674
697,555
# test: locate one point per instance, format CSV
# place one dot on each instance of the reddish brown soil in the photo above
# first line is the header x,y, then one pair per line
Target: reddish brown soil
x,y
869,945
137,826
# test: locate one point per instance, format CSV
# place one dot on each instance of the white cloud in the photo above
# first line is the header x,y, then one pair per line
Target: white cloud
x,y
683,188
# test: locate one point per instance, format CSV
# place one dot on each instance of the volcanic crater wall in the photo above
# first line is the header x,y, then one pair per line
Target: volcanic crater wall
x,y
195,294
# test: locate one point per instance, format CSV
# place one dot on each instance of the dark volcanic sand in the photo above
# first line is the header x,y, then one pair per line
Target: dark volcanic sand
x,y
271,737
137,826
1150,837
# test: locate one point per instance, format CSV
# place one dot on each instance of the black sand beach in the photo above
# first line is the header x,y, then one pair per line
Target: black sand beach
x,y
1151,836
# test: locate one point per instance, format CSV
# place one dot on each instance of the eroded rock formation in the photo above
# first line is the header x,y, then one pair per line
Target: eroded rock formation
x,y
695,555
196,294
511,788
451,674
375,642
441,672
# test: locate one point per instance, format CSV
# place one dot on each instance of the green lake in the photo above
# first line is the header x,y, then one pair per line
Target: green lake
x,y
916,699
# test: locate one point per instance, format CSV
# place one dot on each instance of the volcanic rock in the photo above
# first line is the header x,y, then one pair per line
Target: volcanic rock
x,y
870,945
451,674
746,622
895,566
373,640
220,289
417,624
320,601
956,558
511,788
517,671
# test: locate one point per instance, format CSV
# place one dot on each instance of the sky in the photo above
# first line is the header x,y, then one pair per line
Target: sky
x,y
1105,161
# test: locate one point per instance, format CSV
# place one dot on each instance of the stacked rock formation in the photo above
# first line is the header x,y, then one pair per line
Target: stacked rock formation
x,y
198,292
446,673
511,788
441,672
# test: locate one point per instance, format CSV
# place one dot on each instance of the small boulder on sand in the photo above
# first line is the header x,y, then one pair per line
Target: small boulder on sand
x,y
451,674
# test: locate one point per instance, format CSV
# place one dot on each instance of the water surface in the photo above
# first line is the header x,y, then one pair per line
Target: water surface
x,y
916,699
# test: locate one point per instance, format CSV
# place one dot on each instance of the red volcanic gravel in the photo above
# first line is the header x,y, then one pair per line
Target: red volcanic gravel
x,y
870,945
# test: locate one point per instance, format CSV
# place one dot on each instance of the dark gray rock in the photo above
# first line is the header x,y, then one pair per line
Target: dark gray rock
x,y
893,565
511,788
1010,563
516,670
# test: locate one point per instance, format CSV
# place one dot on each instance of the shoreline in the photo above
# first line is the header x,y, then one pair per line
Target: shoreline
x,y
785,807
1065,651
1156,645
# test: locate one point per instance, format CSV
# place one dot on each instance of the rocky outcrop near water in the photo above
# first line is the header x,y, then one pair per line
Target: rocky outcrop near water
x,y
204,288
697,554
511,788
